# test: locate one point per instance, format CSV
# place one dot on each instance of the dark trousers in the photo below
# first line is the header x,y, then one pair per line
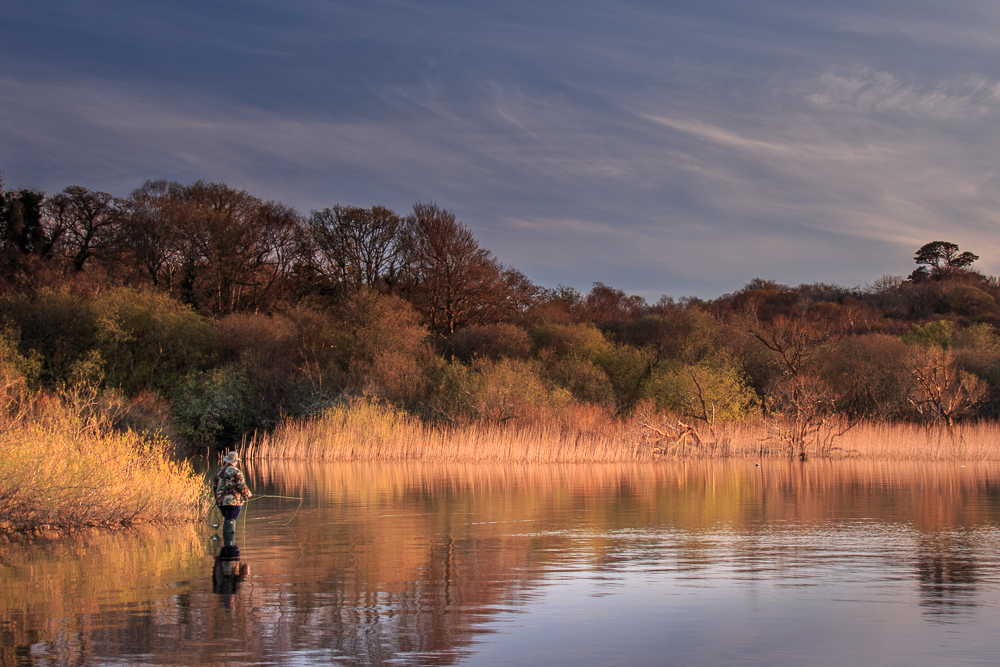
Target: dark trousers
x,y
230,512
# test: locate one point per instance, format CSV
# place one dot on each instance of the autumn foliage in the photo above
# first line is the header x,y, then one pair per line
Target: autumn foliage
x,y
212,315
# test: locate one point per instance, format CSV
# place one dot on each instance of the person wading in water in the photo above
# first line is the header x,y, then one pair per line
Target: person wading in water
x,y
230,491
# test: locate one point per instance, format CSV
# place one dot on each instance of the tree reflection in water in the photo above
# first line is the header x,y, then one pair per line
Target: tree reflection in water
x,y
947,570
413,564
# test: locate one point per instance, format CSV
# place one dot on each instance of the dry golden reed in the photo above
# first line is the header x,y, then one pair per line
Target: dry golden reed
x,y
63,471
367,431
363,430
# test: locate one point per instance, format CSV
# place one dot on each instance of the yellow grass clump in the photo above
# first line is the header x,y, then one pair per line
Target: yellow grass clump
x,y
62,472
367,431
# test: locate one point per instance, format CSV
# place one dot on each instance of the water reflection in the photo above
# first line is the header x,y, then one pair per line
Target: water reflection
x,y
948,571
228,571
446,564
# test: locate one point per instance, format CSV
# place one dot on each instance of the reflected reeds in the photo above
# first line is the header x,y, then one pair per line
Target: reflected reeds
x,y
392,562
55,596
932,496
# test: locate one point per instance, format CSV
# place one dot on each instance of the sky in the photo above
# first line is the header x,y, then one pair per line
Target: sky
x,y
663,148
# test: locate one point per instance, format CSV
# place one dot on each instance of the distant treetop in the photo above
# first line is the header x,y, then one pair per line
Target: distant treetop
x,y
938,259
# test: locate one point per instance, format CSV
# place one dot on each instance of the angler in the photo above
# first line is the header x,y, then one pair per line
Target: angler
x,y
230,489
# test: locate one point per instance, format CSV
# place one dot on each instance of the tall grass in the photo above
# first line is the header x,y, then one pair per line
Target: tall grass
x,y
366,431
979,441
62,470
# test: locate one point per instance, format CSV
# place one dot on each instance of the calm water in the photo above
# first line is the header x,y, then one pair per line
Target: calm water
x,y
696,564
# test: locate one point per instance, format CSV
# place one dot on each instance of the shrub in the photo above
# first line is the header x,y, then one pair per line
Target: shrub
x,y
492,391
972,302
317,358
868,376
627,368
215,406
977,350
148,341
939,333
57,328
713,389
382,348
585,381
491,341
266,350
579,341
688,334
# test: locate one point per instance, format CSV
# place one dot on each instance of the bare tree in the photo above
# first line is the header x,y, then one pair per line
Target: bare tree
x,y
942,391
452,281
797,393
86,224
150,231
358,247
219,248
606,305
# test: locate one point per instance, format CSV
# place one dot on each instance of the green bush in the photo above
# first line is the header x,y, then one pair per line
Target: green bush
x,y
492,391
939,333
977,350
215,406
148,341
628,369
579,341
583,380
713,390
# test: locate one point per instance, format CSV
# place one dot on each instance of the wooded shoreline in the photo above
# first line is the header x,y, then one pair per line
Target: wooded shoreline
x,y
185,317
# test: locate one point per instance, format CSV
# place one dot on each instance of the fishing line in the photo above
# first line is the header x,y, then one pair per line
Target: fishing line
x,y
301,500
244,514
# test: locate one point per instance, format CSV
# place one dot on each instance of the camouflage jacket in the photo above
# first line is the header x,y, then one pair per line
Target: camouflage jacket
x,y
229,486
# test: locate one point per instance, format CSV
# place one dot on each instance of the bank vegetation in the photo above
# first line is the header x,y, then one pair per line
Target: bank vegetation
x,y
197,315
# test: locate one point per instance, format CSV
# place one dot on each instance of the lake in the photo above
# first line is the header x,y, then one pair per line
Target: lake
x,y
687,563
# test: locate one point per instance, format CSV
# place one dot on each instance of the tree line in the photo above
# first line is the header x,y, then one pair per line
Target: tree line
x,y
222,250
217,313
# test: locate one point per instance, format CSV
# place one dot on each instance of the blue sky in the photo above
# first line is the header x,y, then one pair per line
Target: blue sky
x,y
677,148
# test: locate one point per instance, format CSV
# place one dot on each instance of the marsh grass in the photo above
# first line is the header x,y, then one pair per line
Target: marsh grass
x,y
915,442
364,430
367,431
62,470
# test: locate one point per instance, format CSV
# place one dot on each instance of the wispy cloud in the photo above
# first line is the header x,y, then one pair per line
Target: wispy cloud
x,y
958,99
663,149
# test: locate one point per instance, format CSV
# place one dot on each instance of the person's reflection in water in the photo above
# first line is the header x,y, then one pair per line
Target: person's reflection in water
x,y
229,571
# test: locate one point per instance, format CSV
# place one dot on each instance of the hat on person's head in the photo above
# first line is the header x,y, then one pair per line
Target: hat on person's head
x,y
231,457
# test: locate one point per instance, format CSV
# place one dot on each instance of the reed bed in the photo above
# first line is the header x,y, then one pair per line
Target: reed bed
x,y
363,430
915,442
367,431
63,472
